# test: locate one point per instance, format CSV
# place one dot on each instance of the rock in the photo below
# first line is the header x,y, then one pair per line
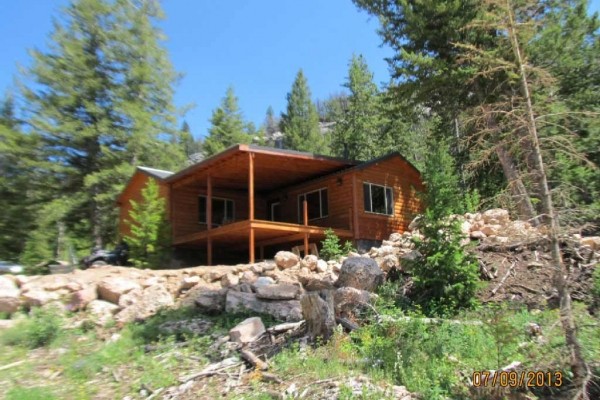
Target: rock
x,y
213,274
248,277
334,265
153,280
478,235
9,296
388,262
285,310
263,281
500,239
102,311
110,289
591,241
310,262
247,331
278,292
286,259
465,227
256,268
39,297
196,327
360,273
207,299
188,282
385,251
150,301
229,280
244,287
395,237
130,298
491,230
414,224
348,299
321,266
496,216
312,283
81,298
406,260
519,228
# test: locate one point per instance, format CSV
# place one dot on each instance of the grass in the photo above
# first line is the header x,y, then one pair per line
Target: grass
x,y
432,359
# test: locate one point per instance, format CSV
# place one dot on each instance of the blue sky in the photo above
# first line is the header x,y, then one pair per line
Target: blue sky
x,y
255,46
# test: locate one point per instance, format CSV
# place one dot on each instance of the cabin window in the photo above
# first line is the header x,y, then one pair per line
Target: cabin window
x,y
378,199
317,204
223,210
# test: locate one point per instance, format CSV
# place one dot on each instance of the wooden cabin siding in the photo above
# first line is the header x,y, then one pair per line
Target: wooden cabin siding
x,y
405,182
339,197
133,191
185,207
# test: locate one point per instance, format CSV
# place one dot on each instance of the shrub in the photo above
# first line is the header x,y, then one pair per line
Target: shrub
x,y
331,248
44,326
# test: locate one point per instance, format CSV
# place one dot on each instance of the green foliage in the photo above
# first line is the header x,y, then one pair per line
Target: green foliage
x,y
41,329
445,275
331,247
101,102
356,133
300,122
149,239
227,126
29,393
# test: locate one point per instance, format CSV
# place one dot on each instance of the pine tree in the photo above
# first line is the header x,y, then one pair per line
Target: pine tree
x,y
102,102
149,238
300,122
191,147
356,135
227,126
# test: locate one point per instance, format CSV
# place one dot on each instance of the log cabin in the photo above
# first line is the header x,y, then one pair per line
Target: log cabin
x,y
249,201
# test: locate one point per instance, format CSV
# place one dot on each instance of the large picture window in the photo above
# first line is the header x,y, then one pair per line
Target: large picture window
x,y
317,204
378,199
223,210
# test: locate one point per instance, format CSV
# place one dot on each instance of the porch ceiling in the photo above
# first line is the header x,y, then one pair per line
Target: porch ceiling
x,y
273,169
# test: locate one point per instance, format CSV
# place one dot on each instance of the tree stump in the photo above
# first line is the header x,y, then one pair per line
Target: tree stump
x,y
318,311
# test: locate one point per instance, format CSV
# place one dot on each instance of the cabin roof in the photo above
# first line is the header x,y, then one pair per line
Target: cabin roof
x,y
273,168
157,173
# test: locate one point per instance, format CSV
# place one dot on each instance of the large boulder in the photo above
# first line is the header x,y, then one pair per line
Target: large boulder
x,y
102,311
9,296
111,289
309,261
278,292
360,273
496,216
247,331
348,299
229,280
211,300
286,310
39,297
286,259
81,298
148,303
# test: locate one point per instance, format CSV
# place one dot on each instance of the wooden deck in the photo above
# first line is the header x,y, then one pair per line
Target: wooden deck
x,y
260,233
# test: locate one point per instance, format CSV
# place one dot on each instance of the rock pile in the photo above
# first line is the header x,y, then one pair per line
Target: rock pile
x,y
276,287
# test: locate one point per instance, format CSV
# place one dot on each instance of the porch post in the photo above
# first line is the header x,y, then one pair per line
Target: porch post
x,y
208,219
251,204
305,218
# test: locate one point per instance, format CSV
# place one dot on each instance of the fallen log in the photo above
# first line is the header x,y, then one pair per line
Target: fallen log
x,y
289,326
513,246
503,279
254,360
347,324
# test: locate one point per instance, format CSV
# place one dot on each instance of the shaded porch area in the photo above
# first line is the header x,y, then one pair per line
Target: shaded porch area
x,y
255,236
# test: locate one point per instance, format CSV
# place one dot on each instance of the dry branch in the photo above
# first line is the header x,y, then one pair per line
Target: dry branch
x,y
254,360
503,279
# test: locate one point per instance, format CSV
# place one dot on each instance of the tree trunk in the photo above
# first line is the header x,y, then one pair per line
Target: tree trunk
x,y
581,373
515,185
317,310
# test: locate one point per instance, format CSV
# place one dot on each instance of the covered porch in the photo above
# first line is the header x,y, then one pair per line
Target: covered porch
x,y
232,200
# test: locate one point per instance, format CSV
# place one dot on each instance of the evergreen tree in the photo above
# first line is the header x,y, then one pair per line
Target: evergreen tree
x,y
356,135
300,122
149,239
102,102
227,126
191,146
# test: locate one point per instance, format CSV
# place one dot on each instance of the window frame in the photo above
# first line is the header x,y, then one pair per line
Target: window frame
x,y
385,197
205,222
300,209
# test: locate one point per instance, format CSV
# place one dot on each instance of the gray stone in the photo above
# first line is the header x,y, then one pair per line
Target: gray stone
x,y
285,310
278,292
360,273
247,331
211,300
263,281
111,289
229,280
286,259
348,299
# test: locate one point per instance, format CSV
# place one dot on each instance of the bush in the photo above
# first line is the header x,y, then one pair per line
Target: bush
x,y
331,248
41,329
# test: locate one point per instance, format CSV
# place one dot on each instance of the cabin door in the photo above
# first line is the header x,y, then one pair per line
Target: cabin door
x,y
275,211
